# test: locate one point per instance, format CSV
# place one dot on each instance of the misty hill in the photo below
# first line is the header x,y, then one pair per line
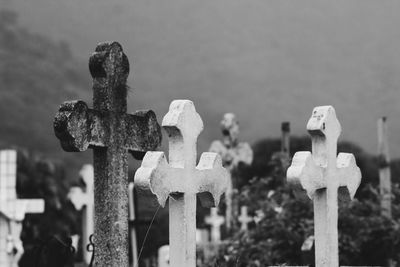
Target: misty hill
x,y
267,61
36,76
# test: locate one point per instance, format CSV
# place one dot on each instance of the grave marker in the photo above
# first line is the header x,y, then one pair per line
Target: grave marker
x,y
12,210
385,184
111,133
84,200
244,219
215,221
232,153
321,173
180,179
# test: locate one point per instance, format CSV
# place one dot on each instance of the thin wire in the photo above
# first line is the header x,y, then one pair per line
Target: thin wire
x,y
145,237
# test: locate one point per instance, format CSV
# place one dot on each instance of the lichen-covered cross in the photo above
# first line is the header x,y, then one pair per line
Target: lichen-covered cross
x,y
215,221
181,180
111,133
80,199
321,173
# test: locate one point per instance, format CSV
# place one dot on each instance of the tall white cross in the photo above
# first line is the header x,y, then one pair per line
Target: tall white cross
x,y
244,219
215,221
321,173
181,179
12,210
132,218
85,200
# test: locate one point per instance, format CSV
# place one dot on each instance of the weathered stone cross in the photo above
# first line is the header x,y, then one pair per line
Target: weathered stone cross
x,y
111,133
215,221
321,174
12,210
181,179
85,199
232,153
244,219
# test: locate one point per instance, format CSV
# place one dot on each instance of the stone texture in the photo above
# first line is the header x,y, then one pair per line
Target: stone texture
x,y
111,133
181,180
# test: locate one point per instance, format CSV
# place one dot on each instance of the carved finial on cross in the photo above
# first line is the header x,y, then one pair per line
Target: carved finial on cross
x,y
321,173
111,133
180,179
215,221
232,153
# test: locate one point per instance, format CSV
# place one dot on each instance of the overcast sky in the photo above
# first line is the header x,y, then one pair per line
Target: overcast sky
x,y
267,61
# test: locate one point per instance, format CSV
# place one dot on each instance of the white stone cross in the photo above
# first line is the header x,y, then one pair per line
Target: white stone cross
x,y
12,210
244,219
85,200
215,221
132,218
181,179
321,173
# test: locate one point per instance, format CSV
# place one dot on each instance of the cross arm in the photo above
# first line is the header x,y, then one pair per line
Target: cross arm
x,y
348,172
212,179
157,176
305,173
78,127
143,133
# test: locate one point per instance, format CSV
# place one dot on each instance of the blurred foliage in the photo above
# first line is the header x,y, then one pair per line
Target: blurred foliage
x,y
365,237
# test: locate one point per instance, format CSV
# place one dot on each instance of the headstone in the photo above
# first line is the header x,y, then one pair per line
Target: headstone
x,y
132,219
111,133
180,179
232,153
321,173
215,221
84,200
385,184
244,219
163,256
12,210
